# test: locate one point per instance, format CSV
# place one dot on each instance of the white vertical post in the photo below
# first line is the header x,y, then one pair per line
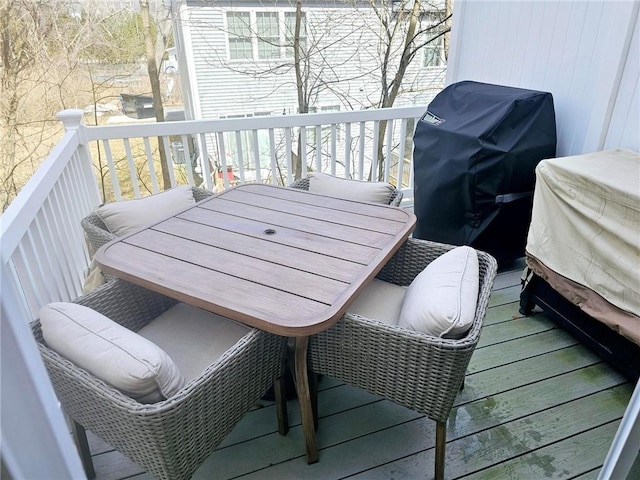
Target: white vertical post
x,y
35,439
624,448
72,120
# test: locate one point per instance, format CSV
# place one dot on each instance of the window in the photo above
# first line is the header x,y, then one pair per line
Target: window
x,y
268,35
434,26
259,35
239,33
434,53
290,30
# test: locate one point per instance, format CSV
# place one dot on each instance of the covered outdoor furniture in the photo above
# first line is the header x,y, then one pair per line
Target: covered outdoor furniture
x,y
169,438
97,231
377,192
421,371
583,249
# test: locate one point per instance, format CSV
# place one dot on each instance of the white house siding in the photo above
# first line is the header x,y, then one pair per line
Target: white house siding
x,y
584,52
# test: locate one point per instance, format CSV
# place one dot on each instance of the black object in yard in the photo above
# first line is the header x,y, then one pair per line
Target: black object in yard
x,y
137,106
474,159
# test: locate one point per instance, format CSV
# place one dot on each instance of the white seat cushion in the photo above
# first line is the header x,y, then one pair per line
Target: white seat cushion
x,y
122,358
194,338
124,217
380,301
441,300
375,192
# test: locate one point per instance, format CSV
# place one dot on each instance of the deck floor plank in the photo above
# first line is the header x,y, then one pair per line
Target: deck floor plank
x,y
536,404
582,452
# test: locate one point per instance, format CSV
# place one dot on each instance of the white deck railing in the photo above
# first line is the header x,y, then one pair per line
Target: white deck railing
x,y
44,255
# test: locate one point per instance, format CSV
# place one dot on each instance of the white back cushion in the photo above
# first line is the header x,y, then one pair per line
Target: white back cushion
x,y
375,192
129,215
441,300
122,358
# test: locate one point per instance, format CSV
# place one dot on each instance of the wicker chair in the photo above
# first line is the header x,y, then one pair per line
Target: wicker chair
x,y
169,439
413,369
303,184
98,234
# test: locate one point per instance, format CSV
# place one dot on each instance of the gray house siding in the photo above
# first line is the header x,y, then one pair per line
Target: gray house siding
x,y
343,34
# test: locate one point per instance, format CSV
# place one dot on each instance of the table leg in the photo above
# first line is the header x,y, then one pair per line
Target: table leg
x,y
304,398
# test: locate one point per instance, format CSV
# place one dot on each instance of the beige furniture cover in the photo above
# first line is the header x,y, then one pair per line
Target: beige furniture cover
x,y
585,227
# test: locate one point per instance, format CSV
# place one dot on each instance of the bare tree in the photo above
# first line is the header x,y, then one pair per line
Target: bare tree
x,y
407,28
55,56
154,77
36,74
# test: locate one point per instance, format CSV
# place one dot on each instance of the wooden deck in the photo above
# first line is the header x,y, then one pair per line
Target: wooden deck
x,y
536,404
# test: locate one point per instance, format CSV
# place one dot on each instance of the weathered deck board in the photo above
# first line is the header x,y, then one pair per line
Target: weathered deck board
x,y
536,404
584,451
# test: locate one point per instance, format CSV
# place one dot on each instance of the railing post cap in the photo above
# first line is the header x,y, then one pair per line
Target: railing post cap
x,y
71,118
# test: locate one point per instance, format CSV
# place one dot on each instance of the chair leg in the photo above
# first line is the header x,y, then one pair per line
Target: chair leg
x,y
441,443
313,390
281,406
80,438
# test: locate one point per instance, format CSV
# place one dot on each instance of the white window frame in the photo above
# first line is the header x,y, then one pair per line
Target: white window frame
x,y
230,41
284,50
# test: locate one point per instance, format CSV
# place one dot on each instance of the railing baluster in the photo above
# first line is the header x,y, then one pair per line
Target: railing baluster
x,y
347,150
223,160
303,150
38,272
32,287
71,215
151,165
374,152
389,147
403,135
361,151
334,136
287,153
62,247
241,154
272,152
132,168
48,256
186,146
318,148
170,167
115,183
256,157
204,161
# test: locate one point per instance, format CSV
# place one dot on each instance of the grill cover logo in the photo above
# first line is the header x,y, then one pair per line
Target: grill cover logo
x,y
432,119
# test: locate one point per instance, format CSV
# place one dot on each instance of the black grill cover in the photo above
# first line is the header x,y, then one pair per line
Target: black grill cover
x,y
475,152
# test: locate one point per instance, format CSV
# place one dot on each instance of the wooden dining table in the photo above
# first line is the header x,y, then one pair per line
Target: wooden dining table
x,y
283,260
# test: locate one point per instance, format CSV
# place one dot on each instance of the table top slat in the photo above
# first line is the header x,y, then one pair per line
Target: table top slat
x,y
280,276
267,249
311,198
259,306
304,224
353,252
319,212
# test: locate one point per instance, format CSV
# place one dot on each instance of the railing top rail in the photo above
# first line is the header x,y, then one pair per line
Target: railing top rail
x,y
105,132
